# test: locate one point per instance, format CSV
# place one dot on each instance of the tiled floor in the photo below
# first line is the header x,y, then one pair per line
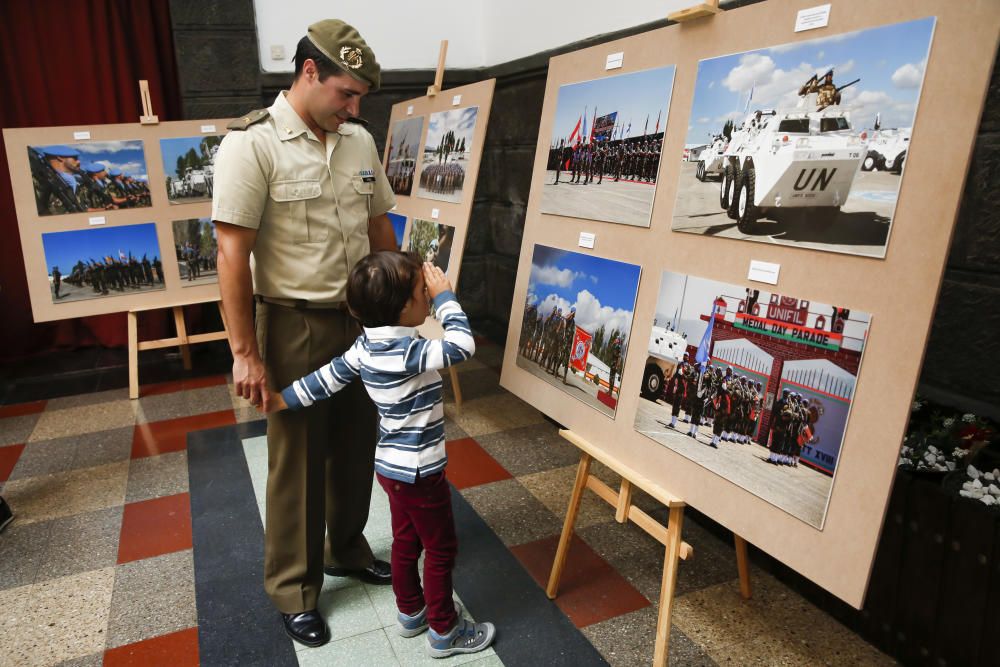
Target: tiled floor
x,y
101,566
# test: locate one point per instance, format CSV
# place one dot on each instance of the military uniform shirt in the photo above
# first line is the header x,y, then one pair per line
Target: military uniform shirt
x,y
310,208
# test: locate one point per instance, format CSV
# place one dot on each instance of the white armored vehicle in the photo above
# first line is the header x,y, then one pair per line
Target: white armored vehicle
x,y
803,158
887,150
710,161
666,352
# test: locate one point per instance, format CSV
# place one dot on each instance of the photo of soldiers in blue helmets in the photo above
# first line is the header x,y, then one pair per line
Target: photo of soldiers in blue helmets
x,y
447,151
196,248
102,262
89,177
189,165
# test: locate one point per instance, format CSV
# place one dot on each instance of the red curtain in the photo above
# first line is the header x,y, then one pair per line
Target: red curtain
x,y
75,63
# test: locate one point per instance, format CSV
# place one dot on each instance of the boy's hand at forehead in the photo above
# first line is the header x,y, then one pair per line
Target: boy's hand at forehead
x,y
435,280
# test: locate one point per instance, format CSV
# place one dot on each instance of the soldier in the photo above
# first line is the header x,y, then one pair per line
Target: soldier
x,y
56,281
827,94
537,338
569,333
92,193
563,159
723,405
615,359
677,388
700,386
527,328
775,442
55,179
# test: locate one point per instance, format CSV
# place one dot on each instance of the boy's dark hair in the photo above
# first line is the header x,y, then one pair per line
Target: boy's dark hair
x,y
306,50
380,285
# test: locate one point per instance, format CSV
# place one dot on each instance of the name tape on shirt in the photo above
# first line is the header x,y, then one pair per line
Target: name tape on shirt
x,y
367,175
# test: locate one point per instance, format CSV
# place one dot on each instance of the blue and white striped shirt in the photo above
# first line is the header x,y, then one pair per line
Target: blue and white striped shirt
x,y
400,372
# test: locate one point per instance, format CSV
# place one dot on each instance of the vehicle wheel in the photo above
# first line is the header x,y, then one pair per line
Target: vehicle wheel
x,y
652,382
897,166
699,172
726,188
746,213
872,161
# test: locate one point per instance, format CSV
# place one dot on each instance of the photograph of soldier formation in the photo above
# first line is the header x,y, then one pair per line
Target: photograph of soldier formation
x,y
447,151
103,261
189,165
754,386
88,178
576,323
196,248
604,155
402,153
398,227
804,144
432,241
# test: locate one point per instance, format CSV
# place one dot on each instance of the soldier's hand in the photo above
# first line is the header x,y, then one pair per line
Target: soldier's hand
x,y
435,281
250,380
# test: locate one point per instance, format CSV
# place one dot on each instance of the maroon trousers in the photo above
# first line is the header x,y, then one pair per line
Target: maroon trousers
x,y
422,520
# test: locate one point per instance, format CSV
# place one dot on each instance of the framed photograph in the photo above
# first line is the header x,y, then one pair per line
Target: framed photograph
x,y
753,385
89,177
103,262
398,227
403,153
804,144
604,154
189,166
196,247
576,322
432,241
447,151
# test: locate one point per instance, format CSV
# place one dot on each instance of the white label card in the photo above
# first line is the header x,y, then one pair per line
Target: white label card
x,y
435,213
80,136
98,220
764,272
455,101
409,110
207,128
615,60
587,240
812,18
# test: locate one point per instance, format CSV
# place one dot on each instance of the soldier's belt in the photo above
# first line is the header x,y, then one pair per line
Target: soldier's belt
x,y
302,304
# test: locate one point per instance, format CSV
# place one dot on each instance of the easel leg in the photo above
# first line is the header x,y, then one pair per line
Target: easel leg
x,y
133,355
456,388
743,567
667,587
182,335
582,472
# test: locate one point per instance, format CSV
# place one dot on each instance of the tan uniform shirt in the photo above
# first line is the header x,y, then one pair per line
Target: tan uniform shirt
x,y
309,205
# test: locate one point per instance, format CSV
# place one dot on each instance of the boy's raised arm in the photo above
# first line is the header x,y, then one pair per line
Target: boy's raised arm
x,y
458,344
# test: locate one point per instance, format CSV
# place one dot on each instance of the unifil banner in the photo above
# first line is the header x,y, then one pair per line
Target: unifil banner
x,y
581,348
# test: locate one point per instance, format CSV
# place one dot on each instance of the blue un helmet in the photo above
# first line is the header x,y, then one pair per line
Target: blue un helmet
x,y
60,151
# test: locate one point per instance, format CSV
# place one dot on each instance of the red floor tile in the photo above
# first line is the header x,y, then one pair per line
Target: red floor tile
x,y
155,527
21,409
8,459
590,590
182,385
470,465
170,435
178,649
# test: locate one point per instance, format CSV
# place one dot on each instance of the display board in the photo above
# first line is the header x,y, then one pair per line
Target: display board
x,y
433,153
796,311
115,217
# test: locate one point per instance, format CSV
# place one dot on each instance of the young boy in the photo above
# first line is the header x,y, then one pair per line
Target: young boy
x,y
389,292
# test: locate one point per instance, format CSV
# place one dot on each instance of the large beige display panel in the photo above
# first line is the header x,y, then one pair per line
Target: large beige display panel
x,y
898,291
31,226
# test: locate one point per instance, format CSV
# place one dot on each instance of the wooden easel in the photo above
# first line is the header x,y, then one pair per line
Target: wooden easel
x,y
669,535
701,10
181,340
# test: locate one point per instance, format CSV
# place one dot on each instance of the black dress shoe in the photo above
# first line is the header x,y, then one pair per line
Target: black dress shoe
x,y
379,572
307,628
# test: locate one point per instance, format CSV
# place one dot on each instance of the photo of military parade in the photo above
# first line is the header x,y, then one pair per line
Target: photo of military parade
x,y
103,261
447,151
432,241
604,155
90,177
398,227
576,324
196,248
804,144
401,157
189,165
754,386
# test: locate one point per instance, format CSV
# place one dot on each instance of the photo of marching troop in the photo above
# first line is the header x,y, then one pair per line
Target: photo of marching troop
x,y
447,151
398,227
402,154
189,165
576,324
754,386
196,247
91,177
103,261
604,155
432,241
804,144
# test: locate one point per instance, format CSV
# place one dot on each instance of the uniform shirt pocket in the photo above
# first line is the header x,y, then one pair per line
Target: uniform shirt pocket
x,y
290,207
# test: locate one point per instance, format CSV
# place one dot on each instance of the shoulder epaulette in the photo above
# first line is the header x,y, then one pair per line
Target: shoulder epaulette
x,y
360,121
243,122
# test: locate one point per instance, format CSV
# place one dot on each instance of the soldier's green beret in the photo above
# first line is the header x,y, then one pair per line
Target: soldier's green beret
x,y
345,46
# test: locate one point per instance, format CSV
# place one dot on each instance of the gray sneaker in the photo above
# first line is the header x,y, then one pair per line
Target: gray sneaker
x,y
465,637
411,626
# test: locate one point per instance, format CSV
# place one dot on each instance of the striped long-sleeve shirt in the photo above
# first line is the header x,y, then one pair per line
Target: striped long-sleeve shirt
x,y
400,372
